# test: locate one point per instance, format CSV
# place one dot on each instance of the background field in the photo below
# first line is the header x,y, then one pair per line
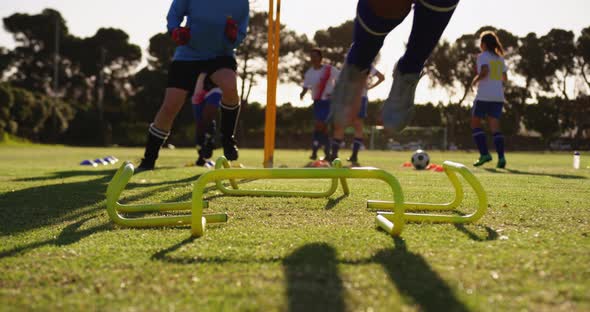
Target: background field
x,y
60,251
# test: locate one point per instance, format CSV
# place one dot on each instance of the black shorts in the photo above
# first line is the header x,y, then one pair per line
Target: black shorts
x,y
184,74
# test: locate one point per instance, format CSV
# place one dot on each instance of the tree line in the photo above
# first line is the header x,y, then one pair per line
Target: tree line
x,y
56,87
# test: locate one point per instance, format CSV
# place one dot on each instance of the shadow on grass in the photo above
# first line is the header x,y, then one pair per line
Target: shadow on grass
x,y
513,171
46,204
416,280
42,205
491,233
69,235
313,280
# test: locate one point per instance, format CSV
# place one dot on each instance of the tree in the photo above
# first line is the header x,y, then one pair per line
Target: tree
x,y
33,57
251,54
543,118
335,42
583,55
559,49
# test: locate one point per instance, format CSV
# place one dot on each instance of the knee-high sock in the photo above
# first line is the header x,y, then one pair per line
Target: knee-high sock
x,y
356,146
479,137
335,147
155,140
430,20
370,31
315,144
229,120
499,142
325,141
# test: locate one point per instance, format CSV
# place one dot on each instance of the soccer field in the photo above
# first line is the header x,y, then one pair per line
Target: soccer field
x,y
60,251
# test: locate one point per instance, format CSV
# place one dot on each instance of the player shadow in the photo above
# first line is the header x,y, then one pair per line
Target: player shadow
x,y
47,204
313,280
491,234
69,235
416,280
519,172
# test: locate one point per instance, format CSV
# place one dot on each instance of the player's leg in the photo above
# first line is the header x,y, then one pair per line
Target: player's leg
x,y
494,124
357,123
159,130
479,135
374,20
430,20
336,142
225,79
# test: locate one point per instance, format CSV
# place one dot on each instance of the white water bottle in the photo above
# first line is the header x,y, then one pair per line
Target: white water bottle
x,y
576,160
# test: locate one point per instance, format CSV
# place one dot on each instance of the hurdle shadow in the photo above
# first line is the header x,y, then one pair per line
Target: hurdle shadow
x,y
416,280
332,202
491,234
69,235
519,172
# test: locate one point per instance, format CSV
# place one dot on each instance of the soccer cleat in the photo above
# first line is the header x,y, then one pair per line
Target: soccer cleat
x,y
353,159
398,108
313,156
347,92
230,150
200,162
206,150
501,163
145,165
482,160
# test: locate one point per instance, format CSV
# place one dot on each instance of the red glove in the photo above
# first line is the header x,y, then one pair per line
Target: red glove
x,y
181,35
231,29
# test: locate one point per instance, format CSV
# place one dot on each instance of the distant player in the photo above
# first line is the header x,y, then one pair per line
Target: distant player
x,y
320,78
357,121
374,20
206,101
490,78
214,29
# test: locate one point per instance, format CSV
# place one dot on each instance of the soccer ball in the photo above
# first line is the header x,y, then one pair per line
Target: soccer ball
x,y
420,160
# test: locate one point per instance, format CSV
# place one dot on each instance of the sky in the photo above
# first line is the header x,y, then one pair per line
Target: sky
x,y
141,19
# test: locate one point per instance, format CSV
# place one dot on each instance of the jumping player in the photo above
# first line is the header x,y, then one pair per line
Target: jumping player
x,y
374,20
320,78
357,121
206,101
490,78
205,45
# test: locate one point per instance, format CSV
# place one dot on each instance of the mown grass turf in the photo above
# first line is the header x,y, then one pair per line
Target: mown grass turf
x,y
60,251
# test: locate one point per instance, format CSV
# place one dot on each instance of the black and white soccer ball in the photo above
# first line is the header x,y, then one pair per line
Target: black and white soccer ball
x,y
420,160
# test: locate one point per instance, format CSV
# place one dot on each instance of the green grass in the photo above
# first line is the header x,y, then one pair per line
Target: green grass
x,y
60,251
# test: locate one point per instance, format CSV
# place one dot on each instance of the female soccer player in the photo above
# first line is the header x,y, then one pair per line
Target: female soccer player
x,y
205,45
490,78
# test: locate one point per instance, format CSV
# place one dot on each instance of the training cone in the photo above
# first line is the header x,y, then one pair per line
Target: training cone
x,y
320,164
88,162
101,161
407,164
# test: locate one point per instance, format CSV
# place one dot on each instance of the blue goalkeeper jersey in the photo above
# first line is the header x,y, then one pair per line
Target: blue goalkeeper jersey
x,y
206,20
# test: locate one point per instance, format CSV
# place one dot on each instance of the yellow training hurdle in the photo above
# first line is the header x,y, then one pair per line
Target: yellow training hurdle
x,y
392,218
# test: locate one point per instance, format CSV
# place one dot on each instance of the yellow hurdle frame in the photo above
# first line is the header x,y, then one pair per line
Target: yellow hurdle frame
x,y
392,219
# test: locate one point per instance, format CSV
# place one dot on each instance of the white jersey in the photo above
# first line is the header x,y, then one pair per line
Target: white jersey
x,y
491,88
313,78
372,73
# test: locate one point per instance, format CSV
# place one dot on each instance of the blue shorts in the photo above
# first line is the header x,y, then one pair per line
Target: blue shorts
x,y
321,110
213,99
363,112
482,109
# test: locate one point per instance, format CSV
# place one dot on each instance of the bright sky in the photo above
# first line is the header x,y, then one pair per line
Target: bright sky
x,y
142,19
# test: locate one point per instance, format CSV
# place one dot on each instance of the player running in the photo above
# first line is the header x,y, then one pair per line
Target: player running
x,y
205,45
490,78
374,20
206,101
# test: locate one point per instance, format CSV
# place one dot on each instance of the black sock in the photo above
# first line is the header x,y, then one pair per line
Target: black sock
x,y
229,120
155,140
